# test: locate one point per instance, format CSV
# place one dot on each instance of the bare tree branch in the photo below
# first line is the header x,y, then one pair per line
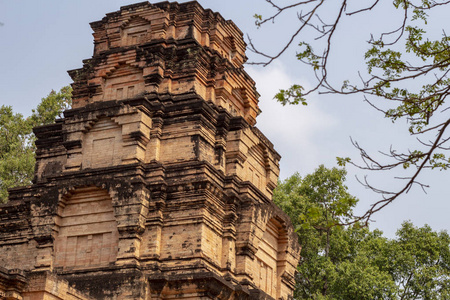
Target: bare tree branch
x,y
389,76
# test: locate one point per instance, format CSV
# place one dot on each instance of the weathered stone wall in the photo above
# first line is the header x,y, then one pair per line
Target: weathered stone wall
x,y
156,184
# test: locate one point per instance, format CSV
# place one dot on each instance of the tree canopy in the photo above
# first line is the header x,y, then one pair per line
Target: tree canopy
x,y
407,65
17,147
354,262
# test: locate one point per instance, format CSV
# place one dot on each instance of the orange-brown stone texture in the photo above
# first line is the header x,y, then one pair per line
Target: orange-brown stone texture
x,y
156,184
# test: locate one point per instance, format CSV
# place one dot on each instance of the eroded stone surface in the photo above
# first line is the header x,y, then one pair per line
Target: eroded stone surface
x,y
156,184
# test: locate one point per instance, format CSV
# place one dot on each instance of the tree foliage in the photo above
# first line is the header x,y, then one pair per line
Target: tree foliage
x,y
353,262
16,150
17,140
407,65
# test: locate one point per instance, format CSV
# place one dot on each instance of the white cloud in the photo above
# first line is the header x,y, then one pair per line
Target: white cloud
x,y
292,129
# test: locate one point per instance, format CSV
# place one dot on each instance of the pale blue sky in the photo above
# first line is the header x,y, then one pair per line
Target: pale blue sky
x,y
41,40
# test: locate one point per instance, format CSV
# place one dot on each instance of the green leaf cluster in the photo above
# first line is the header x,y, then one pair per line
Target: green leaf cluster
x,y
354,262
293,95
16,150
17,147
319,200
391,70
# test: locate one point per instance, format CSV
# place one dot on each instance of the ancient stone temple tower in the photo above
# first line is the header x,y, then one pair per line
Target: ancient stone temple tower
x,y
156,184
